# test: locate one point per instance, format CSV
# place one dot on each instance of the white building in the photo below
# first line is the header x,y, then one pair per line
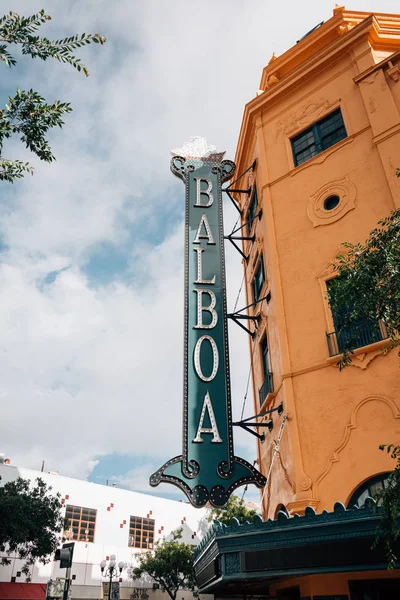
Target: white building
x,y
103,520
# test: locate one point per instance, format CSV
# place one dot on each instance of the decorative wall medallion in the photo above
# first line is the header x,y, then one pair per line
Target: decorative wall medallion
x,y
324,207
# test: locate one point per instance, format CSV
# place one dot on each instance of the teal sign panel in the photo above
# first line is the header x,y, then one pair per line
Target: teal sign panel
x,y
207,470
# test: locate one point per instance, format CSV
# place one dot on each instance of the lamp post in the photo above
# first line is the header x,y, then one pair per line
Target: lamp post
x,y
111,569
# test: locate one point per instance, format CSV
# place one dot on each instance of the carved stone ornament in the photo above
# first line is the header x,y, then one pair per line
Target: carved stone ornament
x,y
349,428
232,563
393,71
316,211
304,115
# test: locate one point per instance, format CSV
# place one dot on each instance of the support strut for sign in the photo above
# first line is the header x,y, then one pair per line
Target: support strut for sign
x,y
237,316
246,423
229,190
234,238
240,238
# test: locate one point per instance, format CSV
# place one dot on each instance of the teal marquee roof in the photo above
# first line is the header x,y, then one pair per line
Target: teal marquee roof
x,y
254,553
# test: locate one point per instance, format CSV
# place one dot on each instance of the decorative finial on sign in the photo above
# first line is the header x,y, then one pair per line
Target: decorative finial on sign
x,y
198,149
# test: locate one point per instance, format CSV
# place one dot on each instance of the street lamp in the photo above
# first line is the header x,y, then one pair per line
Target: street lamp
x,y
111,569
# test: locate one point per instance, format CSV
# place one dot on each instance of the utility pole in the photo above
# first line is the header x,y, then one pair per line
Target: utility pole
x,y
65,555
67,585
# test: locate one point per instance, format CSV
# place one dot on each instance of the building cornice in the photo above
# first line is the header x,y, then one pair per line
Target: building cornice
x,y
327,43
386,61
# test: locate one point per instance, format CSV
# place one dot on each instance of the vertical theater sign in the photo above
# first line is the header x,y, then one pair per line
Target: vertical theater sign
x,y
207,470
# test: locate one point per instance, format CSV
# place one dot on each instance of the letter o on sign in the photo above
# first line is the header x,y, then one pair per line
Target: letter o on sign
x,y
197,364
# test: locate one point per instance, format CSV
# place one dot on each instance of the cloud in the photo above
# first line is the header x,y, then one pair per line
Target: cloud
x,y
90,364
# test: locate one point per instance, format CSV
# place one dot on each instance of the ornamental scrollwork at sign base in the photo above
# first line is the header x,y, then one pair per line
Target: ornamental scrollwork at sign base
x,y
343,188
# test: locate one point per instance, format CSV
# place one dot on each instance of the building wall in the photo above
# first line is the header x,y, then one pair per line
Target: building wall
x,y
114,506
329,584
335,420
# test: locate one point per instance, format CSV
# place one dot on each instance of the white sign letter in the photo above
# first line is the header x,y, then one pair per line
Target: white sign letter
x,y
200,192
209,308
205,236
197,365
213,429
200,268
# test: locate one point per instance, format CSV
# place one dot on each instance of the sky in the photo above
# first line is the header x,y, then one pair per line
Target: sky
x,y
91,246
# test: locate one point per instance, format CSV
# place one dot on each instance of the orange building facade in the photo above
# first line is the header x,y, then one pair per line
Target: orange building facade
x,y
318,150
324,130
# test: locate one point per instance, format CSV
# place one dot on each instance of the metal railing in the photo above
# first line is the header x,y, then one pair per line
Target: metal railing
x,y
364,334
266,388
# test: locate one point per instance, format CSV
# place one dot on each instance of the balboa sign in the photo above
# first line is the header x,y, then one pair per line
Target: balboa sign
x,y
207,470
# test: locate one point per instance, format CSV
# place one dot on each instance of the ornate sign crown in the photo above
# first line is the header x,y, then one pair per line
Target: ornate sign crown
x,y
198,149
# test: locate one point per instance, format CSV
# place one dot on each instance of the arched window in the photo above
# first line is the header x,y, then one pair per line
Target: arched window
x,y
368,490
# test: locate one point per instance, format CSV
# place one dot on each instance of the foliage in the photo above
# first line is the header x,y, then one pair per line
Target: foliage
x,y
235,507
170,565
30,522
368,285
27,113
389,501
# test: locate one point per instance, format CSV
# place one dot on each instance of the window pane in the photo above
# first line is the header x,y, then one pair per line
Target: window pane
x,y
367,489
321,135
265,356
81,529
259,279
252,208
141,532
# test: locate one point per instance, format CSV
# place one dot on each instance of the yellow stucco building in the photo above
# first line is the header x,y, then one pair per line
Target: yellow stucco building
x,y
324,130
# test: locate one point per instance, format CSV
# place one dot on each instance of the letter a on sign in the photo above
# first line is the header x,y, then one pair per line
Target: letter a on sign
x,y
207,470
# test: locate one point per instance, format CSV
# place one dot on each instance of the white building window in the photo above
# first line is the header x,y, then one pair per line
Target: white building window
x,y
81,523
141,533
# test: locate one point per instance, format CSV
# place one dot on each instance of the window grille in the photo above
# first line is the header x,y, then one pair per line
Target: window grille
x,y
81,523
141,533
362,333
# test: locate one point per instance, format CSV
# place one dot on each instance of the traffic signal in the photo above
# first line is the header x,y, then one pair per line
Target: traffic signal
x,y
64,555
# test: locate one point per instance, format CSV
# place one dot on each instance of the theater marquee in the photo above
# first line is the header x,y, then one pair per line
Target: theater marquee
x,y
207,470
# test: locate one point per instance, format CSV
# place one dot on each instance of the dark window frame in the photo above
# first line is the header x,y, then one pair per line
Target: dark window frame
x,y
265,357
258,279
267,385
320,136
252,210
